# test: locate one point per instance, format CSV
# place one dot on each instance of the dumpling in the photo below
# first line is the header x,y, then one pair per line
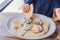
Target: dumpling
x,y
16,23
37,28
22,32
46,26
28,21
27,26
37,21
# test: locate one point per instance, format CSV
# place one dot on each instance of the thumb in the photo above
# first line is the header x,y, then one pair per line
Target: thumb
x,y
31,7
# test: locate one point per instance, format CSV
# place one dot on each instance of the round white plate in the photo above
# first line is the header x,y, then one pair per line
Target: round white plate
x,y
49,33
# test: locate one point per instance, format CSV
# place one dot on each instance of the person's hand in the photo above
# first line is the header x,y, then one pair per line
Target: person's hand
x,y
26,8
58,13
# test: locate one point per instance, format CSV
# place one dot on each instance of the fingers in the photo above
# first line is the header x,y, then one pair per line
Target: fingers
x,y
58,13
31,6
26,8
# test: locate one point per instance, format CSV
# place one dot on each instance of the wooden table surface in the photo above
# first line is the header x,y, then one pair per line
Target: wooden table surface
x,y
5,35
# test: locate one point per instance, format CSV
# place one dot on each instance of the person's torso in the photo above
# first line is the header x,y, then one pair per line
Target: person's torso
x,y
44,7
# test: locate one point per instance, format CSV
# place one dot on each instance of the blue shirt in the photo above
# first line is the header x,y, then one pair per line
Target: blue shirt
x,y
44,7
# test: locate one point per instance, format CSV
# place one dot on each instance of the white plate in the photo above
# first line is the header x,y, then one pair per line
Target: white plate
x,y
49,33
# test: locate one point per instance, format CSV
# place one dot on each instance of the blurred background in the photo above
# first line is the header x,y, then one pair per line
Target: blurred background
x,y
11,5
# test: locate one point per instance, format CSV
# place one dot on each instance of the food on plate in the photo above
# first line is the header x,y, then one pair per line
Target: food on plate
x,y
37,28
27,26
22,32
37,21
28,21
31,27
46,26
16,23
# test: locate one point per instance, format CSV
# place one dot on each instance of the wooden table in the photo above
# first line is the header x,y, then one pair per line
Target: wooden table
x,y
5,35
